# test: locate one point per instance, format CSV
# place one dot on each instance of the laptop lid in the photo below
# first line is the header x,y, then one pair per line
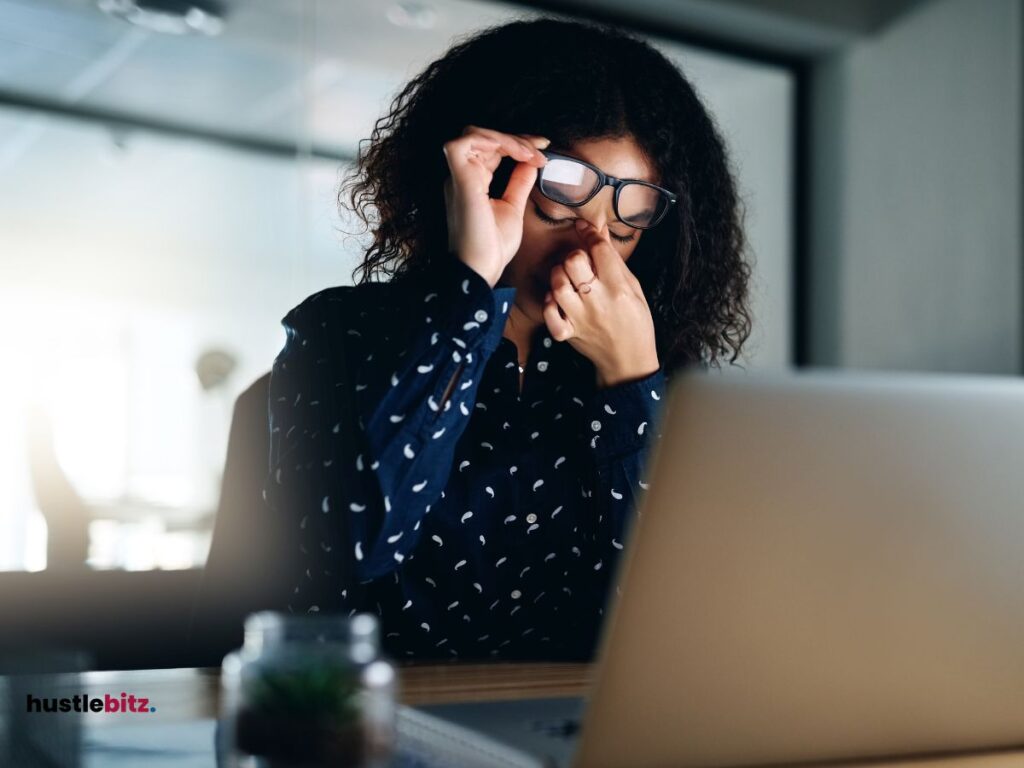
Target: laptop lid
x,y
826,566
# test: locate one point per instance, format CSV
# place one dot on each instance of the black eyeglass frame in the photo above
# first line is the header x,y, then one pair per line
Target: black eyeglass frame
x,y
605,180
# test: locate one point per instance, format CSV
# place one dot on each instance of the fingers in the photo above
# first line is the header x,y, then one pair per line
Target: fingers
x,y
608,265
520,182
484,148
465,153
524,176
518,148
560,328
530,141
579,267
564,291
541,142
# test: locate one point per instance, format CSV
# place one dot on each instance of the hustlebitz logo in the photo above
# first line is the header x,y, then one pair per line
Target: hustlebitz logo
x,y
126,704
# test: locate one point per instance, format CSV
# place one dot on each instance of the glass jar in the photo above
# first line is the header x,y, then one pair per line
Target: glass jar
x,y
307,691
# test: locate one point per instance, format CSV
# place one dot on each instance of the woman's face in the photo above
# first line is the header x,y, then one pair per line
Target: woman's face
x,y
547,244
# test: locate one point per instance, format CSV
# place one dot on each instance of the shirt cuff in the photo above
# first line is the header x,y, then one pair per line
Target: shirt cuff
x,y
620,417
464,308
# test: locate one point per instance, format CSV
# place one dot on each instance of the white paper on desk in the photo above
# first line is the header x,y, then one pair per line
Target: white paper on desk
x,y
187,744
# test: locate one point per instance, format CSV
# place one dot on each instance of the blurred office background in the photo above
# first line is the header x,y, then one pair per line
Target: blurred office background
x,y
167,193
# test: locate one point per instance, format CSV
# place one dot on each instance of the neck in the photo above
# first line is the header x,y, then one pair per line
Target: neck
x,y
519,329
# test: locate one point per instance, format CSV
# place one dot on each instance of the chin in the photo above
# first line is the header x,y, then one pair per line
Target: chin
x,y
534,308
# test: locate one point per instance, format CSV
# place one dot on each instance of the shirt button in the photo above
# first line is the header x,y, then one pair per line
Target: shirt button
x,y
542,366
547,342
480,316
595,425
516,594
531,518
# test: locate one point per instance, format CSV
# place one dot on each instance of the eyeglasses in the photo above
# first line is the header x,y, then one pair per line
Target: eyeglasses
x,y
570,181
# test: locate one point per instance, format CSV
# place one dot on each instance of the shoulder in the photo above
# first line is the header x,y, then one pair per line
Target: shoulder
x,y
343,307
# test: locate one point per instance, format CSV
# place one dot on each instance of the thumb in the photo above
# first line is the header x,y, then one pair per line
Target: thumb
x,y
520,182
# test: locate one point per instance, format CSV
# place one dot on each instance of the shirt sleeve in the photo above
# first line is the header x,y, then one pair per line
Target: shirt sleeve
x,y
623,425
453,323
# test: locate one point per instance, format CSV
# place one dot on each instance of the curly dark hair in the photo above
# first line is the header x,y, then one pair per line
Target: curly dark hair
x,y
568,81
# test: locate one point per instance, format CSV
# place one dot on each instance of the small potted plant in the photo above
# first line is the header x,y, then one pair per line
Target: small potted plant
x,y
309,715
307,691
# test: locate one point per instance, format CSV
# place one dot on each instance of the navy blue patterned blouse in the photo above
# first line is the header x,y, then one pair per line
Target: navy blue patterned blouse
x,y
487,525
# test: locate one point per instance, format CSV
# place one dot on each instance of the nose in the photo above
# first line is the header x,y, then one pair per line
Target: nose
x,y
599,210
568,240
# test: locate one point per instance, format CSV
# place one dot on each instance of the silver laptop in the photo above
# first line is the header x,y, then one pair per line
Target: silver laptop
x,y
826,566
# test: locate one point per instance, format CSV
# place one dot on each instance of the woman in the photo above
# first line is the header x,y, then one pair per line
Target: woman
x,y
461,446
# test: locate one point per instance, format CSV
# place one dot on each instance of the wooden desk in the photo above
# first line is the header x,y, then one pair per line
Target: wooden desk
x,y
186,694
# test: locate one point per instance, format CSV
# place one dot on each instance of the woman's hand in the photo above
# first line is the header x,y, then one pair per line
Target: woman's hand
x,y
611,324
485,232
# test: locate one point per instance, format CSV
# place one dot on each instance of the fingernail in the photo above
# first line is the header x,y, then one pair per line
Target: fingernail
x,y
546,144
582,224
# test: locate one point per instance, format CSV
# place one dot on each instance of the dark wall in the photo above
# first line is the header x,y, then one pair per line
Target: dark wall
x,y
124,619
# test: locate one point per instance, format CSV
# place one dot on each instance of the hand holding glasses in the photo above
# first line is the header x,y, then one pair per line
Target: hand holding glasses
x,y
485,232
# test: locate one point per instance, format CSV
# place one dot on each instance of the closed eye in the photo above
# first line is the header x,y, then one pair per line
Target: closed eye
x,y
555,222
